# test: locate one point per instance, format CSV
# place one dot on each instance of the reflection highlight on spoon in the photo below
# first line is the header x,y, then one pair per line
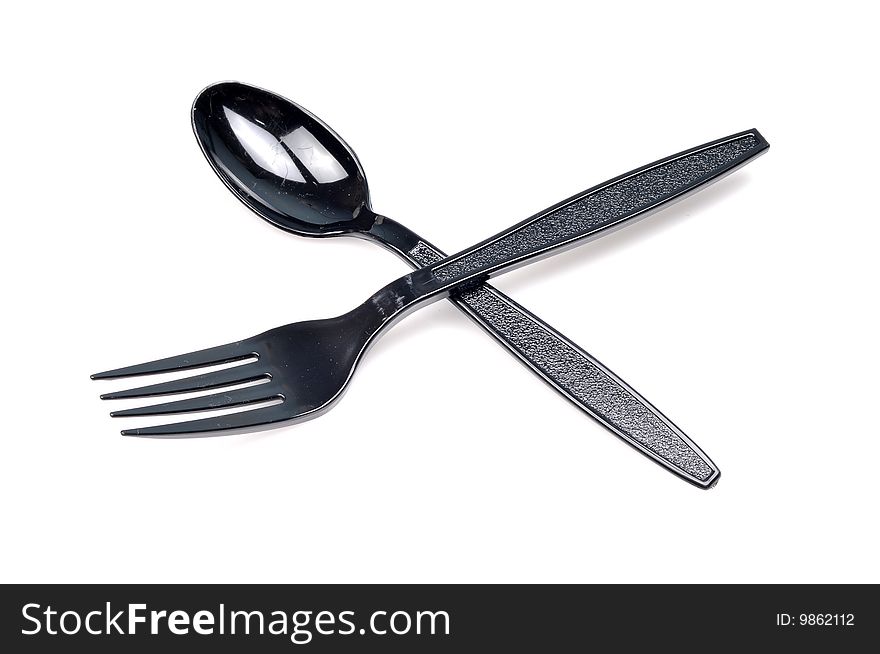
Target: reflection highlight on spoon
x,y
294,156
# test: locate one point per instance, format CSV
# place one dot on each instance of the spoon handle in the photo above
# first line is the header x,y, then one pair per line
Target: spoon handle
x,y
601,209
579,377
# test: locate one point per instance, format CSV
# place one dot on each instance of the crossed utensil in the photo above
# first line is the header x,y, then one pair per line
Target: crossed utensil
x,y
295,172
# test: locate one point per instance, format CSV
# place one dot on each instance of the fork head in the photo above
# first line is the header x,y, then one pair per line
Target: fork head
x,y
293,373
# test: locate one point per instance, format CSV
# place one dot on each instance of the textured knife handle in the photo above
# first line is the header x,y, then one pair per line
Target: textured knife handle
x,y
580,378
602,208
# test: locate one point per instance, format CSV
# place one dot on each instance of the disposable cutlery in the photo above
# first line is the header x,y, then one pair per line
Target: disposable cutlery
x,y
304,367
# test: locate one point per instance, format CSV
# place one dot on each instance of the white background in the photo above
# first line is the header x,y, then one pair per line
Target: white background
x,y
748,314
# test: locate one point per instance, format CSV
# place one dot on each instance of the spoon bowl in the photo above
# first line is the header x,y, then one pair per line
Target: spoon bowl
x,y
281,161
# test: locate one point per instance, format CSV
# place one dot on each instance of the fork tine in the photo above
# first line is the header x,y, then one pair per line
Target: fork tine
x,y
240,396
194,428
213,355
216,379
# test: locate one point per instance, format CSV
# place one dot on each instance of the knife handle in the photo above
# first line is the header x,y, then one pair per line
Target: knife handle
x,y
600,209
580,378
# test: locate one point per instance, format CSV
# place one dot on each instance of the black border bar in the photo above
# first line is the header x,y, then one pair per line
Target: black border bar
x,y
512,617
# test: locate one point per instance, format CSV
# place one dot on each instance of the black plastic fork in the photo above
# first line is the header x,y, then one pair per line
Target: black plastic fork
x,y
303,368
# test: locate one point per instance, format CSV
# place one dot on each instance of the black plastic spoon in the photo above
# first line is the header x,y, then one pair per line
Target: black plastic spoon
x,y
298,174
